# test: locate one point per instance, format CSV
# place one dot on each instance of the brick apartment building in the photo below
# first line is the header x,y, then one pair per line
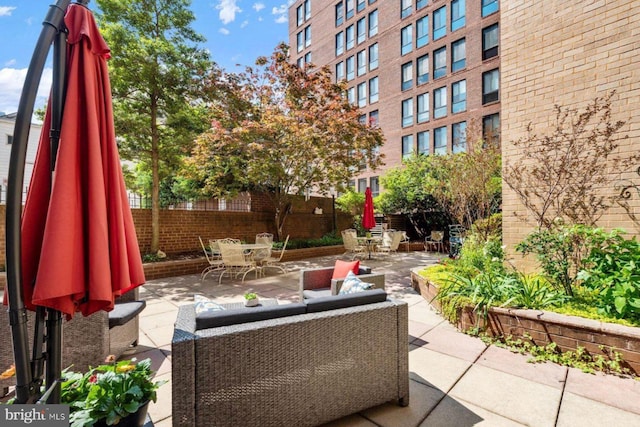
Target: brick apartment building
x,y
424,71
567,53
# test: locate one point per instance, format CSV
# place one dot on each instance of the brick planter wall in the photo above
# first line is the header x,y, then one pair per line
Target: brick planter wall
x,y
544,327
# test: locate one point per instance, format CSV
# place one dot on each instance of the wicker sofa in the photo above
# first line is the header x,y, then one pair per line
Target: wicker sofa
x,y
87,340
312,363
318,282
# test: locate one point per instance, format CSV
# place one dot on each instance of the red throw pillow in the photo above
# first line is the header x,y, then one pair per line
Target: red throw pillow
x,y
342,268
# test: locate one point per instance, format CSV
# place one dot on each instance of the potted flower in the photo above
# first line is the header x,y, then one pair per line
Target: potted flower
x,y
251,299
112,393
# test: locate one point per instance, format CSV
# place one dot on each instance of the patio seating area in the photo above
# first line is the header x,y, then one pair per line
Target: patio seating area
x,y
455,379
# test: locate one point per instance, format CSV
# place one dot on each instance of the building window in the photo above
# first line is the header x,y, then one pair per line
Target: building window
x,y
459,96
423,107
362,94
372,1
440,140
339,14
422,32
350,35
458,55
351,68
489,7
421,3
362,119
339,44
300,15
300,62
422,69
440,102
373,56
373,118
362,62
440,63
440,23
406,40
373,90
407,112
307,58
374,185
339,71
307,9
300,41
361,30
307,36
458,14
490,38
9,139
407,146
361,5
407,76
491,129
350,10
406,8
362,185
459,143
351,95
373,23
490,86
423,142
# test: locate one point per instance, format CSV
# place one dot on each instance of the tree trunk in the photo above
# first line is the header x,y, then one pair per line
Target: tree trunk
x,y
155,181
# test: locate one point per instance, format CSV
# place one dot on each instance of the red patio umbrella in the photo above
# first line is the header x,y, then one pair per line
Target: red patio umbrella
x,y
79,248
368,220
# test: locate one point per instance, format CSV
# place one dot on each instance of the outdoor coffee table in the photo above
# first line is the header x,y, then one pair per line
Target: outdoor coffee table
x,y
370,243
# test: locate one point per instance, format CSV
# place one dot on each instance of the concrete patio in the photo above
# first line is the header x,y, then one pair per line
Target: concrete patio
x,y
456,380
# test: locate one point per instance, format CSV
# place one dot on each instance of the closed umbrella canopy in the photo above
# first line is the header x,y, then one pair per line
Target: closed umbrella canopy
x,y
79,246
368,220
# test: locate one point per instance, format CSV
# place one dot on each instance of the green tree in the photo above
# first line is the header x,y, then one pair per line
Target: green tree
x,y
284,131
406,193
157,72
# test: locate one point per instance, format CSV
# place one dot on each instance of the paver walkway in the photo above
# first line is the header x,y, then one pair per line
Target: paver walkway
x,y
455,379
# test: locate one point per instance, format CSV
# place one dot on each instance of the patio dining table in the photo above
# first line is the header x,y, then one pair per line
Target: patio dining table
x,y
370,243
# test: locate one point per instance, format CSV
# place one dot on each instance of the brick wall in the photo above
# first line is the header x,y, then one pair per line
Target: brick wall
x,y
566,54
568,332
179,229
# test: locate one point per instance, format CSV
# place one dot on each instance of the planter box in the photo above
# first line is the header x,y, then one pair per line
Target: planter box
x,y
545,327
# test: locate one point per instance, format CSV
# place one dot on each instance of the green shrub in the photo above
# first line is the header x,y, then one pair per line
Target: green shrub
x,y
326,240
534,292
612,271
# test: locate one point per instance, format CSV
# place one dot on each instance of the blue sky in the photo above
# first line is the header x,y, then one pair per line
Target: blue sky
x,y
237,32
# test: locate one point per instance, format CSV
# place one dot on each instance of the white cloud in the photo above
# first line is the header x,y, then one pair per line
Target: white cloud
x,y
244,24
10,63
281,14
228,10
224,31
6,10
258,6
260,19
11,82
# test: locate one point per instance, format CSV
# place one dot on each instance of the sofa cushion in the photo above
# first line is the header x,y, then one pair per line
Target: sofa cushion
x,y
364,270
213,319
316,293
348,300
204,304
124,311
341,268
352,284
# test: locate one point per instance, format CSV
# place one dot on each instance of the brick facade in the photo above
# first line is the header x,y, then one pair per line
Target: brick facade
x,y
389,105
566,54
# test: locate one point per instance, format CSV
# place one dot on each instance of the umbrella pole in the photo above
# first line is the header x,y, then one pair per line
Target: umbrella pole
x,y
54,317
26,388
